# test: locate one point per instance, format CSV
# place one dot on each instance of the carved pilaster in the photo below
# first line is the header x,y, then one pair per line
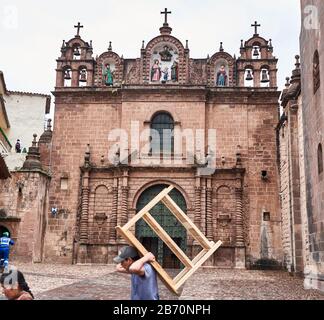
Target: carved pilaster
x,y
84,208
239,217
209,214
124,211
197,217
113,222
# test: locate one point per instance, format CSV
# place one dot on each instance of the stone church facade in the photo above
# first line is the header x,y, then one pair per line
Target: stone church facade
x,y
91,181
89,195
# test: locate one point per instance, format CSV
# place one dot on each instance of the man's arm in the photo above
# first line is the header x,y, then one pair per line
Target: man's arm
x,y
119,268
138,266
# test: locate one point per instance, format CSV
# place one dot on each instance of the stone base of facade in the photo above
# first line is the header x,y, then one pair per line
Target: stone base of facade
x,y
225,257
314,281
240,258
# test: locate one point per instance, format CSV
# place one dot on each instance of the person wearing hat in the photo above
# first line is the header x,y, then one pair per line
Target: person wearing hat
x,y
143,277
5,243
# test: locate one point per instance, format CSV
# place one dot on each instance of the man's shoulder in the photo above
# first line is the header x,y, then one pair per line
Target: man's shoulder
x,y
149,268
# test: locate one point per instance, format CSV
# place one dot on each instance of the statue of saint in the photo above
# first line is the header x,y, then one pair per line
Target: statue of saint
x,y
108,76
156,71
165,77
221,79
174,71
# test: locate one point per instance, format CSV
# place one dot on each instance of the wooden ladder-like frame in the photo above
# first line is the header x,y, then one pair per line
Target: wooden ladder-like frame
x,y
209,247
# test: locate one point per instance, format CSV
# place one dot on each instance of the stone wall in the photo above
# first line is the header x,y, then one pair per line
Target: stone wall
x,y
25,197
242,126
311,39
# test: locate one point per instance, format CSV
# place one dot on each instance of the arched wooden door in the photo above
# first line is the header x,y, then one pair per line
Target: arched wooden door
x,y
168,222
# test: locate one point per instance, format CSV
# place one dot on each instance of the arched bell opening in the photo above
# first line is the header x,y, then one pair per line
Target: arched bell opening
x,y
67,76
248,77
83,77
76,51
256,52
265,77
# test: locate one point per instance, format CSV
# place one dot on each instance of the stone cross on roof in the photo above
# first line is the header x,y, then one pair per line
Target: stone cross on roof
x,y
78,26
166,12
255,25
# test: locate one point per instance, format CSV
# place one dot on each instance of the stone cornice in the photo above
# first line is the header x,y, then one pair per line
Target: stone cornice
x,y
118,169
167,93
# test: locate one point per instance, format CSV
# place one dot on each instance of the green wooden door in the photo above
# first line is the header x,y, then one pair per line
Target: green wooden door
x,y
168,222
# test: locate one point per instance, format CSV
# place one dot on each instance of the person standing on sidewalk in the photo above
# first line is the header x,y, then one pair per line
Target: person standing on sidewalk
x,y
143,277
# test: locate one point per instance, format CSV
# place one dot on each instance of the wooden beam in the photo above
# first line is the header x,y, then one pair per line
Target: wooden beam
x,y
184,271
148,207
165,278
186,222
197,265
181,274
199,255
167,240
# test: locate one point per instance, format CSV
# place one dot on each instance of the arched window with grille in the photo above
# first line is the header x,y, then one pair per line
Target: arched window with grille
x,y
162,134
316,72
320,159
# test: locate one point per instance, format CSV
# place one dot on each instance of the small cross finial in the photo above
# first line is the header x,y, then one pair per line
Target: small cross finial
x,y
166,12
78,26
256,25
221,49
110,47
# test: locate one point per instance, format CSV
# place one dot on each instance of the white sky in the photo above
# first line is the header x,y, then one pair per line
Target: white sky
x,y
31,31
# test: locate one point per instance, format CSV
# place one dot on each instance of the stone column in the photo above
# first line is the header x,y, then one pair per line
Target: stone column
x,y
75,78
124,212
239,241
241,78
82,249
59,78
90,78
84,208
209,214
257,78
197,215
273,78
239,218
197,219
113,221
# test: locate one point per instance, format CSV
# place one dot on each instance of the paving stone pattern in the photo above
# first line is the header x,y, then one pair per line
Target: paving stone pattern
x,y
101,282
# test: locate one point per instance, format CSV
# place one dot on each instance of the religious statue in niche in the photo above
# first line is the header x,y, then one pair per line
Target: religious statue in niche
x,y
108,75
156,71
165,76
221,78
174,71
166,54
